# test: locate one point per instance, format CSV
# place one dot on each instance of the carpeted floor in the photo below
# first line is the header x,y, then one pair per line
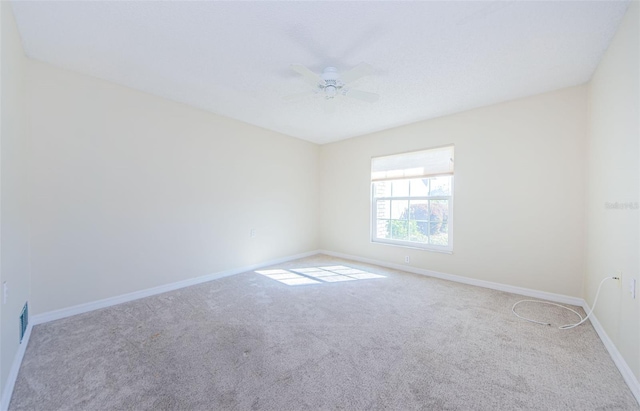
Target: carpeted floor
x,y
348,340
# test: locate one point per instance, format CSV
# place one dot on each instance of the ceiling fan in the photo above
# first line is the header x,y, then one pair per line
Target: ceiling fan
x,y
332,84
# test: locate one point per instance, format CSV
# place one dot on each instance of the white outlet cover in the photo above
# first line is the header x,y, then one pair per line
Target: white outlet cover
x,y
632,287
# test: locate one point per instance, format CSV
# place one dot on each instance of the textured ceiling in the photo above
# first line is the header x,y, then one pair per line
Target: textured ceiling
x,y
232,58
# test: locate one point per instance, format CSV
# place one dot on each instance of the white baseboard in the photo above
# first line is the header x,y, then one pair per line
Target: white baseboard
x,y
617,358
108,302
559,298
13,372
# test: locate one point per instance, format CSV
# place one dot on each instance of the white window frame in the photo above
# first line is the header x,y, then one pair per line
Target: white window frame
x,y
413,244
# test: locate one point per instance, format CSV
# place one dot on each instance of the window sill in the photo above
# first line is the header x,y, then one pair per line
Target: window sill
x,y
442,250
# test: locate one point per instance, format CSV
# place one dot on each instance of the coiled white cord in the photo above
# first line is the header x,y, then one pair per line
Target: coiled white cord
x,y
566,326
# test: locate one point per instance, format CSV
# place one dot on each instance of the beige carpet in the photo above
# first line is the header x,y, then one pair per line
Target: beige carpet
x,y
348,336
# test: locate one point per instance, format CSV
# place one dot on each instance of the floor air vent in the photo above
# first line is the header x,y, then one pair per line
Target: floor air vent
x,y
24,320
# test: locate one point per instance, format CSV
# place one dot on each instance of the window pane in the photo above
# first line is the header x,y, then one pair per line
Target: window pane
x,y
440,186
400,188
382,189
439,239
438,222
398,229
399,208
422,228
417,231
383,209
382,229
419,209
419,187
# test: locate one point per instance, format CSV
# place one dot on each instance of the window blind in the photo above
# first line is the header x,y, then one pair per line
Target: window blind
x,y
416,164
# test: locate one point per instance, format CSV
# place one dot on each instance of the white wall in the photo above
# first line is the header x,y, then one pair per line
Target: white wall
x,y
130,191
519,192
614,176
14,221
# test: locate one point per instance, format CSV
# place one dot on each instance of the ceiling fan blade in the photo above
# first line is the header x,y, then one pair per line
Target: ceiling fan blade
x,y
308,75
298,96
362,95
355,73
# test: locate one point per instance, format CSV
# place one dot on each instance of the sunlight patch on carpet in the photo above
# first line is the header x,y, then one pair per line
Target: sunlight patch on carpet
x,y
318,275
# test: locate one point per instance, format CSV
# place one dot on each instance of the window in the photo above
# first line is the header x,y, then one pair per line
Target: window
x,y
412,199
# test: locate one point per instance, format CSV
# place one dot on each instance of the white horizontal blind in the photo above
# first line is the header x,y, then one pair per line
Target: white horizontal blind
x,y
425,163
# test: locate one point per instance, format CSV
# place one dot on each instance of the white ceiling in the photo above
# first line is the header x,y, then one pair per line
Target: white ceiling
x,y
232,58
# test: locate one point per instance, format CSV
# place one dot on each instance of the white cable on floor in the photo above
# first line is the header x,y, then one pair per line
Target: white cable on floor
x,y
567,326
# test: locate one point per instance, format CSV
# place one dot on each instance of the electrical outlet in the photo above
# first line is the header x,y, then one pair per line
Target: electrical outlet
x,y
5,292
407,259
632,287
252,233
